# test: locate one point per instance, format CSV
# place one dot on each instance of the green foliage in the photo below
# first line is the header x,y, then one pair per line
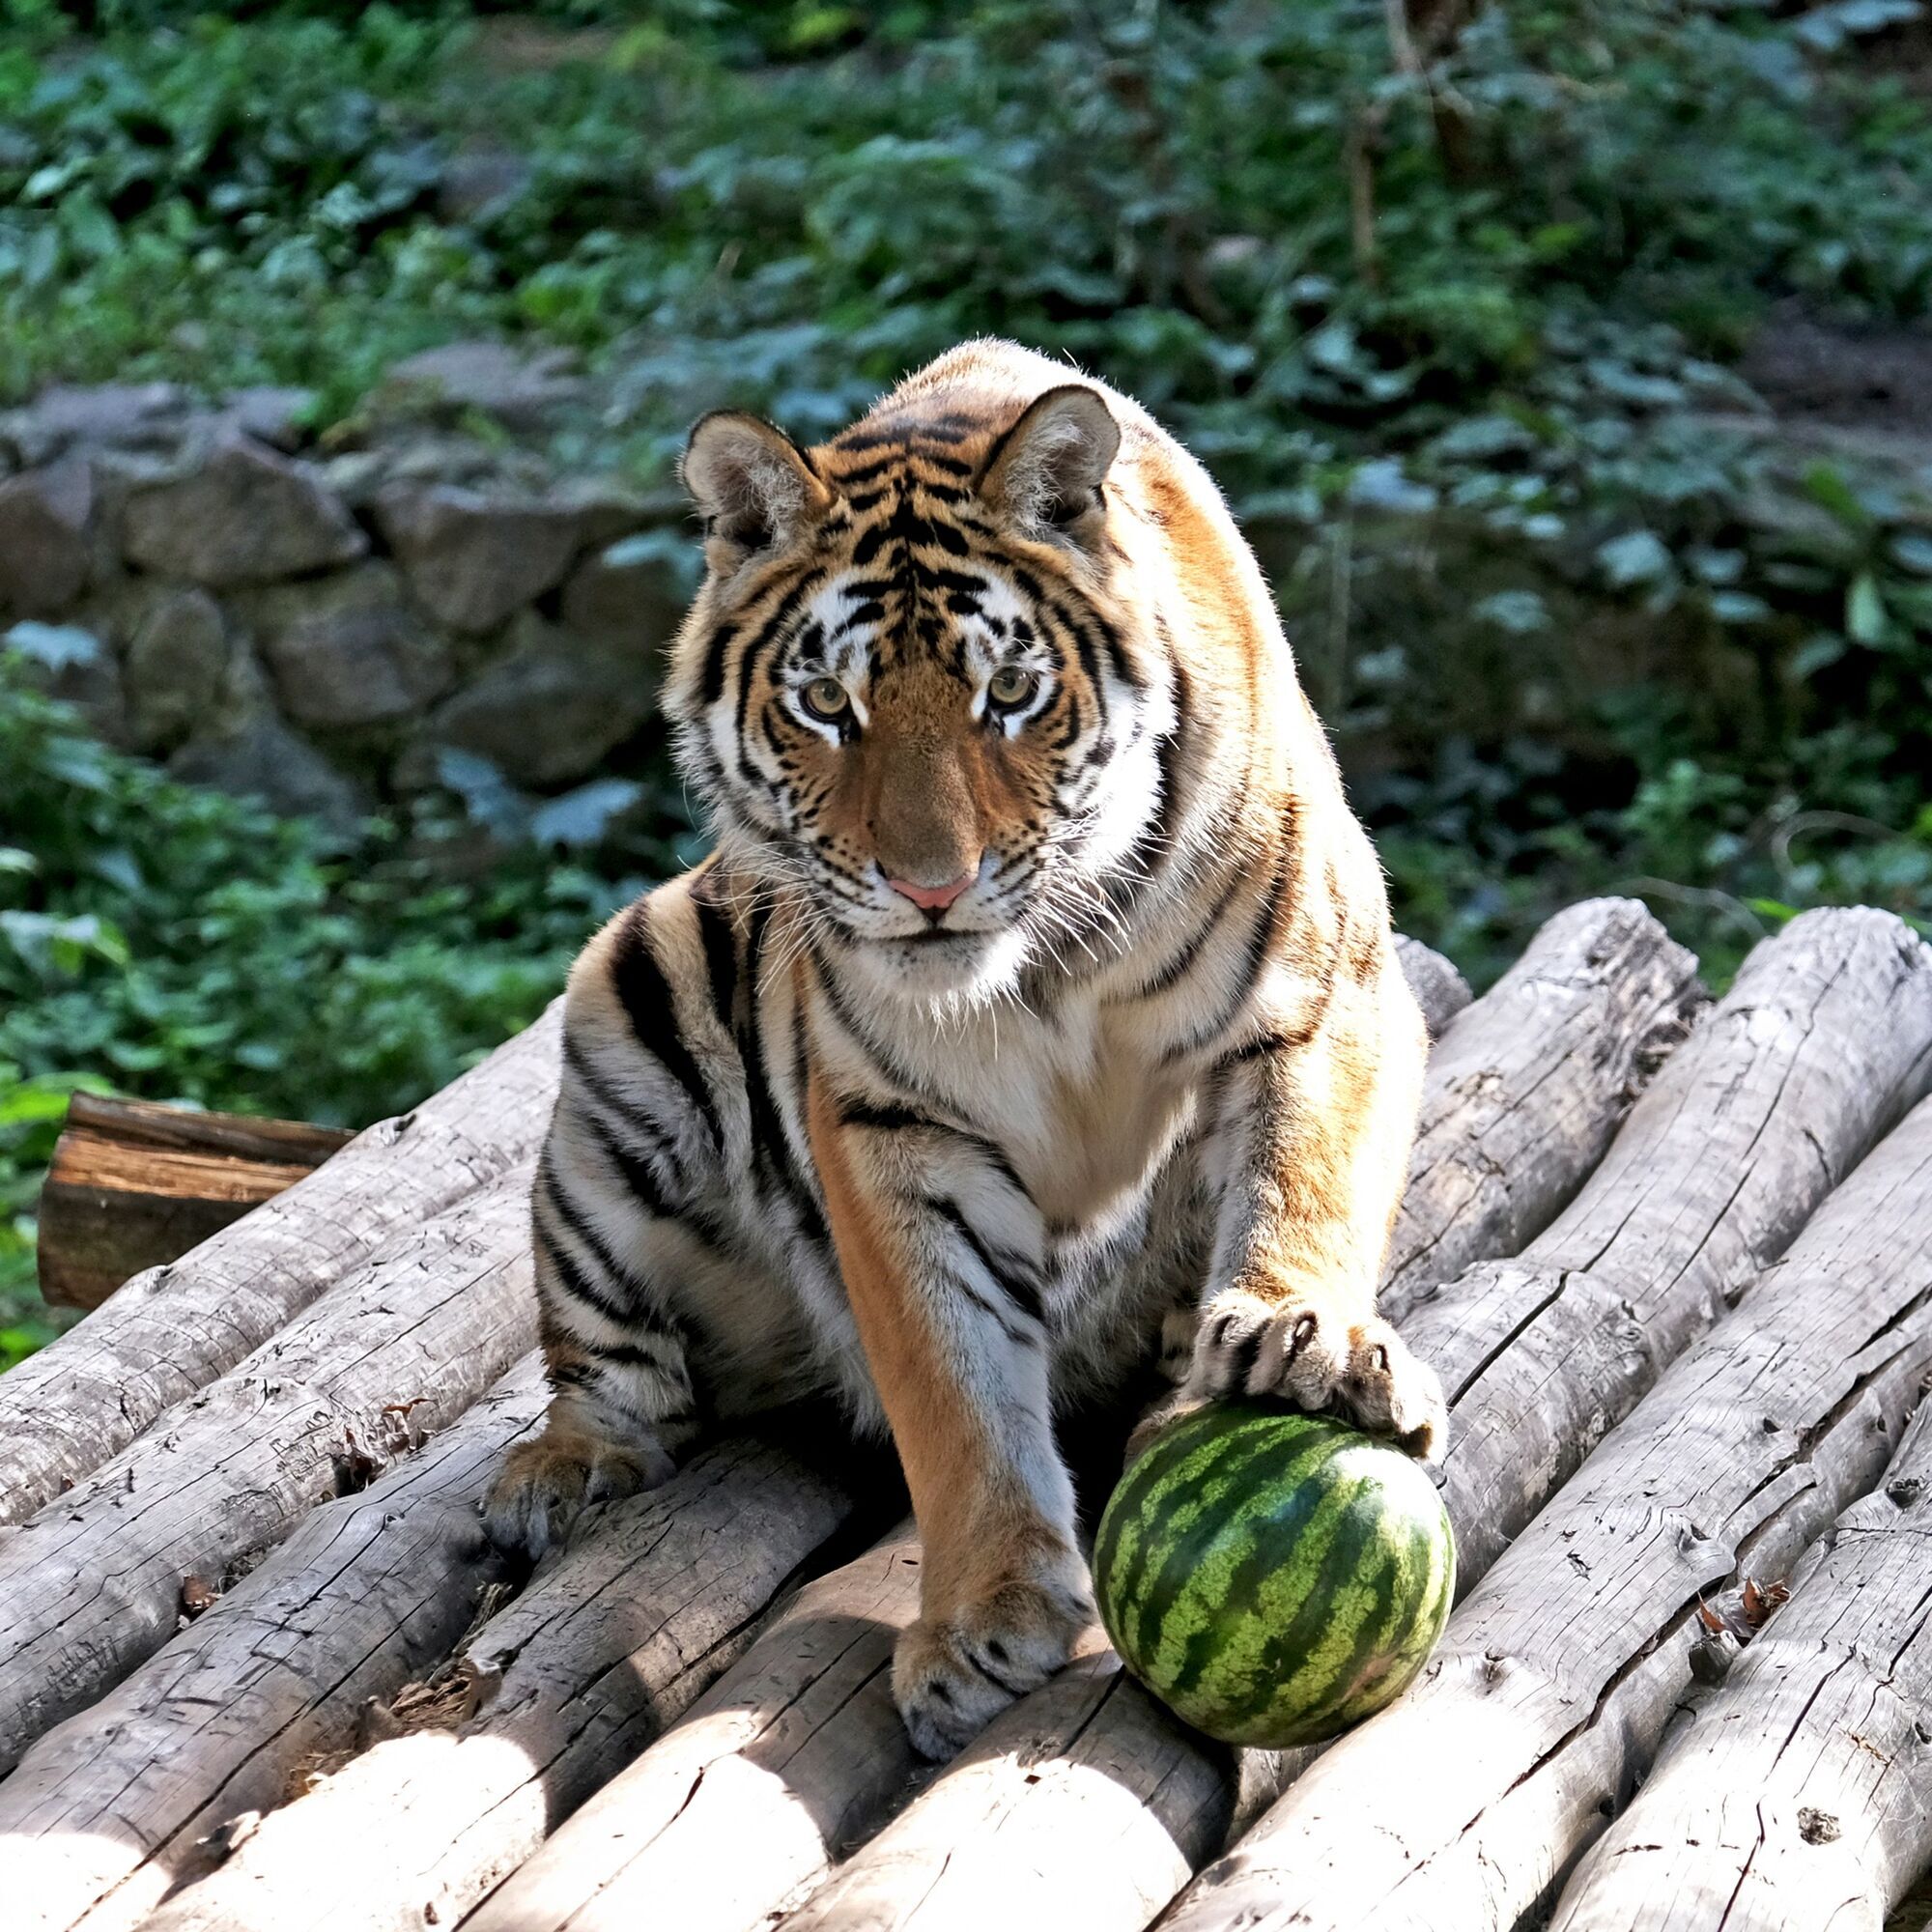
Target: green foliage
x,y
1457,333
170,943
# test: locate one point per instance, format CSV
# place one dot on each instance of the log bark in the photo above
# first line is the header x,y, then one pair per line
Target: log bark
x,y
608,1645
1440,991
1800,1390
1089,1791
1527,1088
793,1756
1799,1795
1823,1039
165,1334
134,1185
130,1798
97,1581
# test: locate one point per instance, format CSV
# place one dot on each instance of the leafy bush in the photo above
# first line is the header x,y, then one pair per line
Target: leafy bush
x,y
174,943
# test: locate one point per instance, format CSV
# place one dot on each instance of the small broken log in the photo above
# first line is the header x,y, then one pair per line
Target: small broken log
x,y
133,1796
554,1696
397,1351
1440,991
1527,1088
1799,1795
1822,1043
67,1410
134,1186
793,1755
1807,1382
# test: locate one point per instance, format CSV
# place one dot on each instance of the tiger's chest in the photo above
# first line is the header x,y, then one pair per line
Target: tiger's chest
x,y
1080,1104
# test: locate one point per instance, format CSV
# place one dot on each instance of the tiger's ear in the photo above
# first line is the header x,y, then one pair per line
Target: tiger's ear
x,y
755,487
1046,472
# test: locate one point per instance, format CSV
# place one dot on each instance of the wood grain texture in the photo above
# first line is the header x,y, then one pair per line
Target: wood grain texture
x,y
93,1583
1527,1088
1440,991
1804,1388
1799,1795
610,1643
1090,1798
1823,1041
108,1811
67,1410
794,1756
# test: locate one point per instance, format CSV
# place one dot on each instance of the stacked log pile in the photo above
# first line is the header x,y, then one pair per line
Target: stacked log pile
x,y
259,1671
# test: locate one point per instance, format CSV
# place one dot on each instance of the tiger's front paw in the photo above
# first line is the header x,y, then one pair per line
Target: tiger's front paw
x,y
544,1485
1297,1353
953,1674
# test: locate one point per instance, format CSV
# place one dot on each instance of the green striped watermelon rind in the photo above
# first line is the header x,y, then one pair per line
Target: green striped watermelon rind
x,y
1273,1577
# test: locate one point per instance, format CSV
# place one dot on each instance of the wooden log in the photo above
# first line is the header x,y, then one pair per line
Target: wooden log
x,y
1800,1792
1440,991
1823,1040
1805,1385
97,1581
792,1756
134,1795
607,1646
134,1185
66,1410
799,1757
1525,1088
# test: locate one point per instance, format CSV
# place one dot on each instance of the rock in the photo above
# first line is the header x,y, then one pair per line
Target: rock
x,y
629,598
350,650
247,751
245,516
177,659
521,391
549,712
474,558
269,414
104,415
478,180
43,538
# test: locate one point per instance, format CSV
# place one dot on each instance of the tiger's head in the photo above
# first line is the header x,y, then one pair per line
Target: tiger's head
x,y
921,683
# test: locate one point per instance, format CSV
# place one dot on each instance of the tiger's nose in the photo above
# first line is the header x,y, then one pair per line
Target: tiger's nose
x,y
931,899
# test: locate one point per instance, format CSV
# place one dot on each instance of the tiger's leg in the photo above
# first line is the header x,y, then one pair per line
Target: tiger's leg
x,y
1313,1149
630,1210
949,1321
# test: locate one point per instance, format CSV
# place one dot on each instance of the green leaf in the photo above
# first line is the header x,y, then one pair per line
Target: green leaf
x,y
1865,619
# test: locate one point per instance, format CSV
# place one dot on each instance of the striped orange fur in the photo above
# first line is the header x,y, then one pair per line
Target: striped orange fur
x,y
1038,1002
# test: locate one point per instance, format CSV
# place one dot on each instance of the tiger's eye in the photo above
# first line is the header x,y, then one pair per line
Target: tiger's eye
x,y
1011,686
826,697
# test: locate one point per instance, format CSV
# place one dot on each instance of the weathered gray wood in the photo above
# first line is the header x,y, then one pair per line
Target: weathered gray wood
x,y
1801,1388
791,1757
1090,1799
1822,1043
108,1811
166,1333
1800,1796
612,1642
1527,1086
93,1583
1122,1802
1440,991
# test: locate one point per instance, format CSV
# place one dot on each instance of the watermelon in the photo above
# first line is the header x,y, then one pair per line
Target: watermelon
x,y
1273,1577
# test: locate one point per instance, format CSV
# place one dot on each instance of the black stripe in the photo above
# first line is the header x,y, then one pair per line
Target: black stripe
x,y
721,955
649,1310
770,1148
652,1011
1012,1276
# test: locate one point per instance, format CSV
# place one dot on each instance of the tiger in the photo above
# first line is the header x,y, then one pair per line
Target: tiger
x,y
1034,1017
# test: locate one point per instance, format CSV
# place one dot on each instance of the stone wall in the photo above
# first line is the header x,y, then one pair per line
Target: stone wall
x,y
316,623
